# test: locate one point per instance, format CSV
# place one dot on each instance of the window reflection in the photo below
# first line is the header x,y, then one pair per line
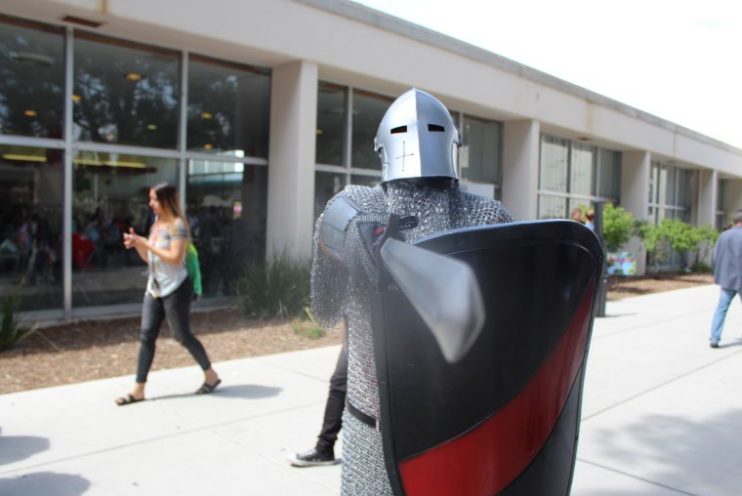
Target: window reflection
x,y
363,180
31,226
480,156
554,164
227,205
552,207
368,110
228,108
331,117
111,195
31,79
125,93
326,185
582,169
480,151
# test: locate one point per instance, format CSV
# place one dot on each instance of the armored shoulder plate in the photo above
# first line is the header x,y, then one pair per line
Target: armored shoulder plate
x,y
338,214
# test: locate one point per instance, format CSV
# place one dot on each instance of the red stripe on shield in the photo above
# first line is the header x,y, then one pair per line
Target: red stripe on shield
x,y
487,459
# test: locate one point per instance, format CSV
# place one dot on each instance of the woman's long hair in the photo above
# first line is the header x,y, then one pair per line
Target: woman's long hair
x,y
167,195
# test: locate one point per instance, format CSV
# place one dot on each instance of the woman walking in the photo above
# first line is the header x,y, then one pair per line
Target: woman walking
x,y
169,290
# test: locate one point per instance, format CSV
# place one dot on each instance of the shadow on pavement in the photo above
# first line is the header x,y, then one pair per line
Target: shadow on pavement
x,y
15,448
44,484
244,391
685,455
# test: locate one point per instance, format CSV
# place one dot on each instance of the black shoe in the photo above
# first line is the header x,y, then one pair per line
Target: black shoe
x,y
313,458
714,345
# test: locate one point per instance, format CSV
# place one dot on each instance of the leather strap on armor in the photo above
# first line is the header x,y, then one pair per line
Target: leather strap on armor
x,y
366,419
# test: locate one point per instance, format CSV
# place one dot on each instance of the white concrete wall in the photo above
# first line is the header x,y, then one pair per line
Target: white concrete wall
x,y
707,197
520,169
291,159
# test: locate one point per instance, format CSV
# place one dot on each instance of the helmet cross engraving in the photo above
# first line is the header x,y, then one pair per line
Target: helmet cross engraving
x,y
404,155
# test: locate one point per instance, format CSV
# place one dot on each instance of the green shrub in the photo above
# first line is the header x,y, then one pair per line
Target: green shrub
x,y
706,237
618,227
670,235
274,289
11,330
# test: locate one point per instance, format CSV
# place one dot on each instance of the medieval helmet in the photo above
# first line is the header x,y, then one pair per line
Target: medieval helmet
x,y
417,138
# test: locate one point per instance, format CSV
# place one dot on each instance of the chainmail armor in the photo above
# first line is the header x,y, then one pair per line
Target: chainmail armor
x,y
345,287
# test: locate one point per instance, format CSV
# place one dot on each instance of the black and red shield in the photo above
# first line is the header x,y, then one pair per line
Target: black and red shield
x,y
504,419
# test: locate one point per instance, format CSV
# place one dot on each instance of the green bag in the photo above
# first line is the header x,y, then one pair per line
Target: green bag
x,y
194,271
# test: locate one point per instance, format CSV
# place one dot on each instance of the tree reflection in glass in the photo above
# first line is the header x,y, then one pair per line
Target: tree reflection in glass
x,y
31,79
125,93
228,108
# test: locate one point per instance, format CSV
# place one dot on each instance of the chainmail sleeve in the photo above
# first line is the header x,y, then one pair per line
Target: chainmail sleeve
x,y
329,281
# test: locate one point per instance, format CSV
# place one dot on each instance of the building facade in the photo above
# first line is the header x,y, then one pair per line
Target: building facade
x,y
260,112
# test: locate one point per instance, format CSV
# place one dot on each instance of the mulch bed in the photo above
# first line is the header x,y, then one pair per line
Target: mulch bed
x,y
88,350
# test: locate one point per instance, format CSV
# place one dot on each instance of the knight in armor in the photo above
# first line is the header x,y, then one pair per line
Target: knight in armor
x,y
417,142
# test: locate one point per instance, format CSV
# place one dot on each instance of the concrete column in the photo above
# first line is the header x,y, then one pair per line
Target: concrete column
x,y
291,156
708,181
520,168
635,168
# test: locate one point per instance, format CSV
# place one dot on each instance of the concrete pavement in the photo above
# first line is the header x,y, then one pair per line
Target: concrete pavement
x,y
661,417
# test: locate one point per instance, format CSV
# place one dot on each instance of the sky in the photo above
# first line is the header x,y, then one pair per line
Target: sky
x,y
677,59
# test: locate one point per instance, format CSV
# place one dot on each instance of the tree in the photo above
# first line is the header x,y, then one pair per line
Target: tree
x,y
706,237
618,227
675,235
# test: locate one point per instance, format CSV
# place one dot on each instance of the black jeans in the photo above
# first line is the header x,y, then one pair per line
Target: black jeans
x,y
333,420
176,309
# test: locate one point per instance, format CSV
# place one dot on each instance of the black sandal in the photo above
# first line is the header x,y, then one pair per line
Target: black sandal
x,y
207,388
127,400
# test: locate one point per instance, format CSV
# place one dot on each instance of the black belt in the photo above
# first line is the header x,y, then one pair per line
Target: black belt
x,y
366,419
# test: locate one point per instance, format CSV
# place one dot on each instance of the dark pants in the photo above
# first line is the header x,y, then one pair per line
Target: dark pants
x,y
333,420
175,308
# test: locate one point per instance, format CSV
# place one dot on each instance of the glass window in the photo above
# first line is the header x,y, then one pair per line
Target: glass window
x,y
684,188
582,169
554,164
368,110
552,207
31,79
363,180
31,225
609,174
326,185
125,93
228,108
671,187
594,173
331,124
227,205
111,194
480,151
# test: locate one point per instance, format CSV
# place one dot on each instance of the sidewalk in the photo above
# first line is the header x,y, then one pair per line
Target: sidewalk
x,y
662,414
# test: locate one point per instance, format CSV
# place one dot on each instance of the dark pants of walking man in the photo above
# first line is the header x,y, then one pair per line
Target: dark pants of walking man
x,y
324,451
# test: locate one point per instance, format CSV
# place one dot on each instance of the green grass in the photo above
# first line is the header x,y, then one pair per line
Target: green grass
x,y
309,328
